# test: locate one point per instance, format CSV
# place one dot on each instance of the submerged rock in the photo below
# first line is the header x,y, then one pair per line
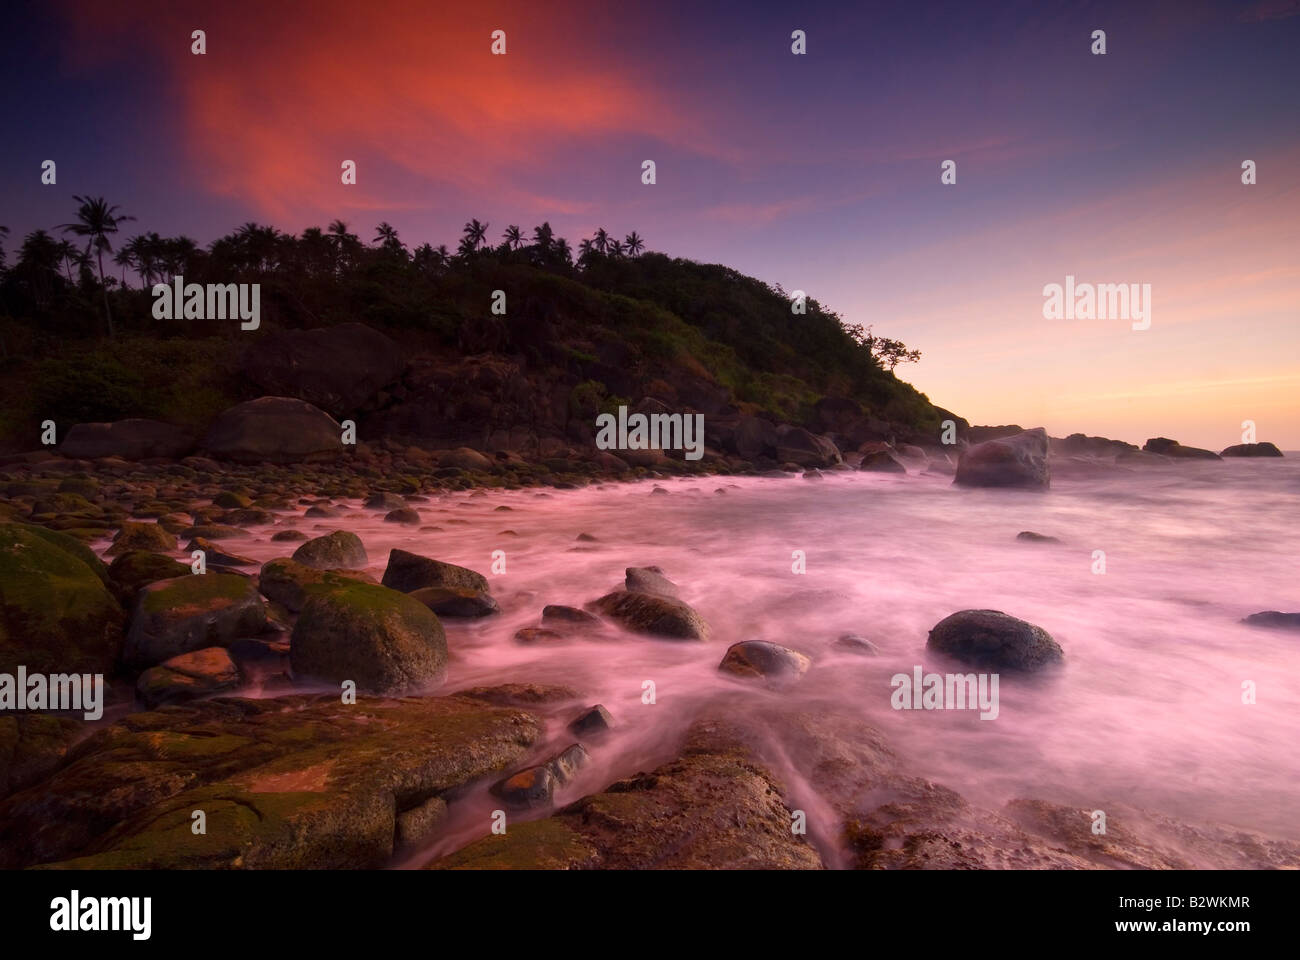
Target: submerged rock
x,y
1274,619
992,639
456,601
592,722
652,615
1172,448
1015,461
649,580
1031,537
408,572
1251,450
758,658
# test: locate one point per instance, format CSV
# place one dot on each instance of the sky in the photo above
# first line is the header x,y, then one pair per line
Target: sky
x,y
820,172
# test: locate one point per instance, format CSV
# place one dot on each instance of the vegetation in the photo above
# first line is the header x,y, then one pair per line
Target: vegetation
x,y
77,344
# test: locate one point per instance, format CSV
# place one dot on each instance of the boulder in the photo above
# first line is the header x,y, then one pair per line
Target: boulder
x,y
1274,619
141,536
216,555
274,430
648,580
464,458
57,614
338,369
189,613
1015,461
291,584
994,640
753,438
129,439
340,550
1251,450
379,638
408,572
881,461
1172,448
189,676
134,569
652,615
32,746
758,658
797,445
1030,537
593,722
456,601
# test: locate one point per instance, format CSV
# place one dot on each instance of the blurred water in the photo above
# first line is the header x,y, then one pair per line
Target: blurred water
x,y
1147,710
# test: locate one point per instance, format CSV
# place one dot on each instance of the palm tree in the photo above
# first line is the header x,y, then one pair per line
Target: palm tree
x,y
386,235
543,237
586,250
615,248
69,257
563,252
634,244
345,244
513,237
4,232
474,234
95,221
125,258
601,242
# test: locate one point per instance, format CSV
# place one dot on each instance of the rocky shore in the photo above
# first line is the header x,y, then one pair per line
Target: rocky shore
x,y
216,678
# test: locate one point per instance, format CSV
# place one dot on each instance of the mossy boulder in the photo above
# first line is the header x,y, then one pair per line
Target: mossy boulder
x,y
994,640
340,550
379,638
142,536
31,746
137,568
291,584
298,782
188,613
56,614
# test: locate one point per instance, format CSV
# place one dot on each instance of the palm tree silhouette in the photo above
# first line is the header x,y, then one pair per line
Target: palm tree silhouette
x,y
615,248
543,237
601,241
513,237
386,235
95,221
474,234
634,244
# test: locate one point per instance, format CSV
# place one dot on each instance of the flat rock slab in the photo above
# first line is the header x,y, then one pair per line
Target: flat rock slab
x,y
297,782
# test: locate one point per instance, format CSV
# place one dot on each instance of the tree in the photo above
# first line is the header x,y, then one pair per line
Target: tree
x,y
586,250
615,248
543,237
96,219
475,233
634,244
884,351
601,240
513,237
386,235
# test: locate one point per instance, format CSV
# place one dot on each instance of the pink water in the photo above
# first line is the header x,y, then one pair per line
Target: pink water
x,y
1148,709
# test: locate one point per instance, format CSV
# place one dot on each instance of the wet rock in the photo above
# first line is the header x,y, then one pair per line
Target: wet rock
x,y
992,639
189,613
592,722
322,511
652,615
753,438
231,500
526,789
420,823
129,439
1251,450
557,613
759,658
456,601
281,536
381,639
142,536
57,614
796,445
536,635
464,458
1015,461
214,531
715,807
520,694
274,430
1172,448
291,584
649,580
1031,537
32,745
340,550
385,501
407,515
217,556
881,461
134,569
408,572
295,782
188,676
852,643
1274,619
